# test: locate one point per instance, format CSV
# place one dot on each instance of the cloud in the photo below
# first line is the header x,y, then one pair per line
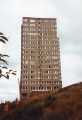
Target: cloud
x,y
37,8
72,67
70,27
69,20
9,89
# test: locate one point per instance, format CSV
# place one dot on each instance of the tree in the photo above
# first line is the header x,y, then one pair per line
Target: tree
x,y
4,39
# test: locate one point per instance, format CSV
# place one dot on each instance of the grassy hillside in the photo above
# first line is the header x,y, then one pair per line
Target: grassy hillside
x,y
66,105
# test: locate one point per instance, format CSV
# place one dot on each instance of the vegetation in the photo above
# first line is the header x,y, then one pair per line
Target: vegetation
x,y
4,39
65,105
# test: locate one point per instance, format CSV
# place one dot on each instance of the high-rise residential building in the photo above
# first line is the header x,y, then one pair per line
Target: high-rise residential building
x,y
40,57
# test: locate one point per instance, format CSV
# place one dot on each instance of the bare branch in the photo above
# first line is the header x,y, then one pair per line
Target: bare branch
x,y
1,33
3,61
14,73
3,37
3,55
4,67
1,40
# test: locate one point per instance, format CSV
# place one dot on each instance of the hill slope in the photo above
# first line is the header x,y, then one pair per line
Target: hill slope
x,y
66,105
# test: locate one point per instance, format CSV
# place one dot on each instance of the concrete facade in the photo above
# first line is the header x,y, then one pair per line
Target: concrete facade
x,y
40,57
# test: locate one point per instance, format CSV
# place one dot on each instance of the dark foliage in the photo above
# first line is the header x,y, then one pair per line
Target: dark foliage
x,y
65,105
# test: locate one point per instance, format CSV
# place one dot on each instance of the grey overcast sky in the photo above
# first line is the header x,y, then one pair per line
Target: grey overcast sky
x,y
69,20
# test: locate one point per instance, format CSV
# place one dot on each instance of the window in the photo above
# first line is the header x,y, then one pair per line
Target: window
x,y
31,76
32,71
46,71
32,20
24,20
49,66
32,24
48,87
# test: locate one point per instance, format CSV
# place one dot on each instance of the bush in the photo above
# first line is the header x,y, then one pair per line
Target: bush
x,y
49,100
